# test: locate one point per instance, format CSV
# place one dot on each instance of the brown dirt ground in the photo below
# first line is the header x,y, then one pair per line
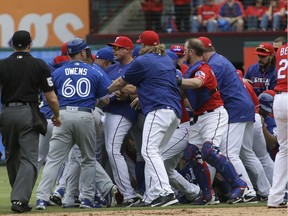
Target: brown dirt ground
x,y
249,211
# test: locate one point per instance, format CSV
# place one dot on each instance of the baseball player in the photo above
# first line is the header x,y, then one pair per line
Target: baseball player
x,y
263,73
259,147
280,108
119,119
79,86
154,75
210,117
238,140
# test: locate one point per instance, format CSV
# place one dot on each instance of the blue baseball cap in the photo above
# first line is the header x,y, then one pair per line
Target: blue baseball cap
x,y
106,54
136,50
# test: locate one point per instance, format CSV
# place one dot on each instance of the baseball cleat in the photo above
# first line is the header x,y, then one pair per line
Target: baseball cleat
x,y
41,204
164,201
111,197
281,205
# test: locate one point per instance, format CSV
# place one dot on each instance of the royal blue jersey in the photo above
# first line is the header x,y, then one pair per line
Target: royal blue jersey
x,y
116,106
79,84
261,79
155,78
236,99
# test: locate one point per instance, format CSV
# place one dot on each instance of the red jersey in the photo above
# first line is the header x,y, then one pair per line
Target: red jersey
x,y
152,5
185,116
206,75
208,11
182,2
256,11
281,69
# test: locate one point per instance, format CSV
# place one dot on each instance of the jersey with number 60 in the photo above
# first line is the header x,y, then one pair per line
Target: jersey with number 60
x,y
79,84
281,68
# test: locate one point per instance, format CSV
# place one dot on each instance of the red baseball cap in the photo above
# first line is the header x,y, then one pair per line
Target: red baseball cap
x,y
178,49
206,41
64,49
149,38
265,49
122,41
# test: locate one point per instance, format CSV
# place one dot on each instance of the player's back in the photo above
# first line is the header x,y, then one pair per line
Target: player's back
x,y
281,68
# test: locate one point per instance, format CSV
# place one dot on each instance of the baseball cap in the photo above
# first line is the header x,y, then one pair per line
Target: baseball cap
x,y
265,49
21,39
149,38
172,55
136,50
64,49
122,41
206,41
105,53
266,99
178,49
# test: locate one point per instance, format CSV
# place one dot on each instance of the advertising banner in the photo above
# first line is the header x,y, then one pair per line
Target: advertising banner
x,y
50,22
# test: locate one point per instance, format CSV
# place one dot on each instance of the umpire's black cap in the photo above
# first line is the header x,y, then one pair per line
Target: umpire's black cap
x,y
21,39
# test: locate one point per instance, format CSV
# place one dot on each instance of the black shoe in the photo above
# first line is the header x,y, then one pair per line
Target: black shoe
x,y
163,201
19,207
142,204
55,199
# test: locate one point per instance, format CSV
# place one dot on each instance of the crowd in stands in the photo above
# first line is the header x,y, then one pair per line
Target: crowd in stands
x,y
215,15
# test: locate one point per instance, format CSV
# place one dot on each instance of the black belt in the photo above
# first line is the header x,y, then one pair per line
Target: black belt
x,y
72,108
208,111
13,104
279,92
195,117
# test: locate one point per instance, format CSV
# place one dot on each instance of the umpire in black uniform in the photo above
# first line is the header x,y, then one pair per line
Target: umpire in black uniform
x,y
22,77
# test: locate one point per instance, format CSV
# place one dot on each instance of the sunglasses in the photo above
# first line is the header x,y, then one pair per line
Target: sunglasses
x,y
116,48
262,49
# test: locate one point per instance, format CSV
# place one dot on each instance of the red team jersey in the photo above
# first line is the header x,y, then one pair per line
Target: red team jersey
x,y
208,78
208,11
256,11
281,68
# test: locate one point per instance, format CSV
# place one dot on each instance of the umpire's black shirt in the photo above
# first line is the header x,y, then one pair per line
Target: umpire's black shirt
x,y
22,77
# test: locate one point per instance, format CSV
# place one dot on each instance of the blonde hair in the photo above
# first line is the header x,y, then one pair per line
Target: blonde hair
x,y
158,49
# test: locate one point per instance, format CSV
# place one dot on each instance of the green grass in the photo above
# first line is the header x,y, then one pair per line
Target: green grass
x,y
5,204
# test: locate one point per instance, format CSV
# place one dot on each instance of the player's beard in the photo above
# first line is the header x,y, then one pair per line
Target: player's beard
x,y
263,65
188,59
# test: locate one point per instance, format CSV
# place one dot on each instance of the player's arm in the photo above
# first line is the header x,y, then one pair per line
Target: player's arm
x,y
117,85
193,83
103,102
270,139
54,105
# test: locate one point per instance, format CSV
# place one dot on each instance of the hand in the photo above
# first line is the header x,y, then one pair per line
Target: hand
x,y
135,104
56,121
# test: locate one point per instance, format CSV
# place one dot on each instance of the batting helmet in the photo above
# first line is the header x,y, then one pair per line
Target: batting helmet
x,y
266,99
76,45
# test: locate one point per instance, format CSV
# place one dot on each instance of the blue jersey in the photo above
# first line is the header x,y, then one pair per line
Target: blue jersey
x,y
236,99
79,84
116,106
261,80
45,109
155,78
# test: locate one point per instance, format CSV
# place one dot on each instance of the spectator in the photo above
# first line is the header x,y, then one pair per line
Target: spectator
x,y
254,14
153,12
207,17
182,13
274,14
263,73
231,14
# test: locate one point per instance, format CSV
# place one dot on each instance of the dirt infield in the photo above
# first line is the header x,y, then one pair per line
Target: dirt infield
x,y
246,211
